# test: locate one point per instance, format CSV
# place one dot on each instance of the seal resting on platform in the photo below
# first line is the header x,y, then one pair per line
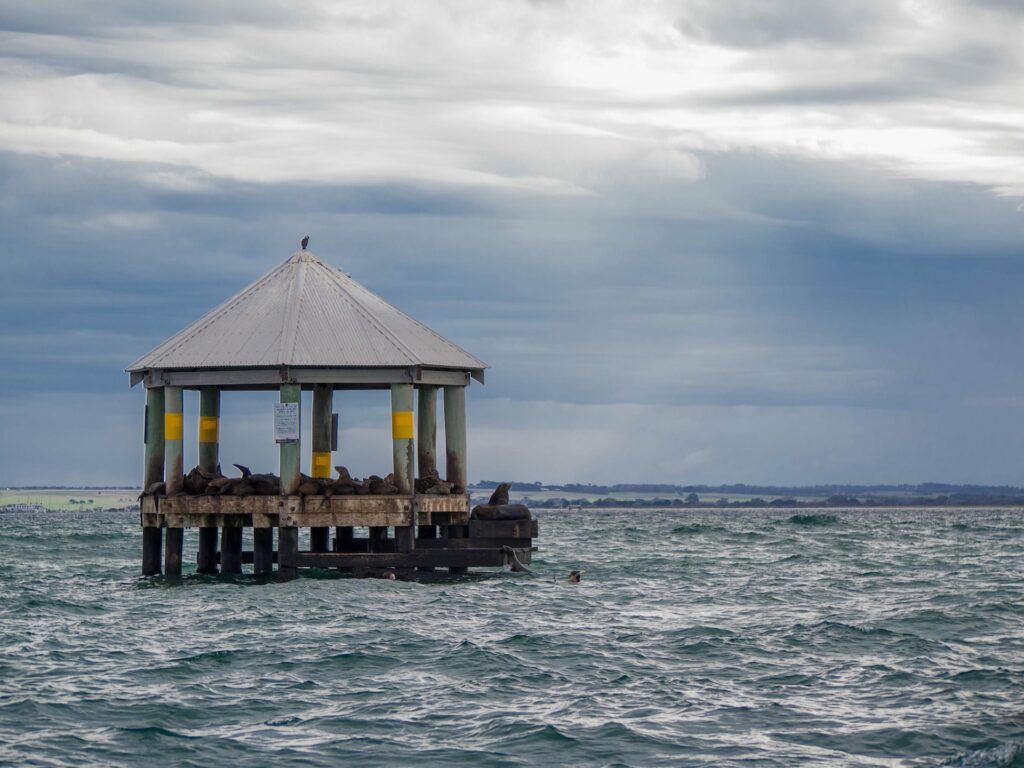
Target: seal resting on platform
x,y
382,485
197,480
500,495
432,483
500,512
155,489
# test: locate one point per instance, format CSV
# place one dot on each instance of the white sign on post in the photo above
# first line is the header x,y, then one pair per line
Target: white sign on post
x,y
286,422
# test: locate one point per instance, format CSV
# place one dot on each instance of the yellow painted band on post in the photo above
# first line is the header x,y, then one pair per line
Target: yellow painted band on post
x,y
209,429
401,425
321,464
172,426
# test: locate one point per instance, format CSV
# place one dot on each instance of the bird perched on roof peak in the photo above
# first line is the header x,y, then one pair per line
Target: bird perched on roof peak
x,y
305,242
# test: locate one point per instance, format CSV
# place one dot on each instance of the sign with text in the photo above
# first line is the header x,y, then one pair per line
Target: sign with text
x,y
286,422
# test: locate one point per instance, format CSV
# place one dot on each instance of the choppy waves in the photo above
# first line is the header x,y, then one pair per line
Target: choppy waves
x,y
759,637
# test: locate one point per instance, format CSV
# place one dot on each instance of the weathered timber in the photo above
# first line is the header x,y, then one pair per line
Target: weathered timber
x,y
152,540
378,541
461,558
263,555
320,458
404,538
174,468
152,535
287,551
249,557
209,429
207,558
172,551
510,529
456,532
426,430
209,460
291,451
344,511
231,549
496,543
455,435
344,535
402,437
441,510
320,539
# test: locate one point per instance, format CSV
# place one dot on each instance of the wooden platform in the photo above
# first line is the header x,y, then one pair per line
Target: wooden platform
x,y
303,511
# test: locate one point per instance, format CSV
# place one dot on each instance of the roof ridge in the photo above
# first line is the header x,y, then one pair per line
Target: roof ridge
x,y
291,319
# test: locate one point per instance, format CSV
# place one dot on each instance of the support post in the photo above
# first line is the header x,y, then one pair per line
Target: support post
x,y
404,452
455,436
426,430
262,550
209,429
287,550
231,549
209,462
288,536
152,536
207,560
319,538
455,452
402,435
172,551
174,473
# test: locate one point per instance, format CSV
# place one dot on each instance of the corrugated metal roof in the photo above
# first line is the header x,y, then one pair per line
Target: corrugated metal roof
x,y
306,313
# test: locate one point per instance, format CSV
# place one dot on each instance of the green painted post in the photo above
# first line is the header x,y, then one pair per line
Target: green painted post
x,y
402,436
152,536
404,452
288,537
455,452
209,429
319,538
290,451
174,473
209,462
455,436
426,430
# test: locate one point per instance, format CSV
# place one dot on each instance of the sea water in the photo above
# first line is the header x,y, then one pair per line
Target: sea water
x,y
732,638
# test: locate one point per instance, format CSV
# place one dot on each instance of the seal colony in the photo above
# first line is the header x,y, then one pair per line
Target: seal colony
x,y
200,483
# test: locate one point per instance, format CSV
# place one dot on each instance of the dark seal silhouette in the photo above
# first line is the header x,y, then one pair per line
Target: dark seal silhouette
x,y
500,495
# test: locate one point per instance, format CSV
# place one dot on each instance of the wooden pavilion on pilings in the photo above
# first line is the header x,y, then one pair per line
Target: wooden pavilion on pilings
x,y
308,326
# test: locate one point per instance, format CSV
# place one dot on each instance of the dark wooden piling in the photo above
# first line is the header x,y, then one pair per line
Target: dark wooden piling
x,y
343,536
456,532
172,551
262,550
287,553
152,535
231,549
319,539
206,562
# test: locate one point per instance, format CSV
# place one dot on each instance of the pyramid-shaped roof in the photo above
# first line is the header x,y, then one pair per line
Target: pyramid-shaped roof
x,y
306,314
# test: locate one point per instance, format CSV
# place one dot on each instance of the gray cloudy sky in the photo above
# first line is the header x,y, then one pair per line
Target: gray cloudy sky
x,y
755,241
